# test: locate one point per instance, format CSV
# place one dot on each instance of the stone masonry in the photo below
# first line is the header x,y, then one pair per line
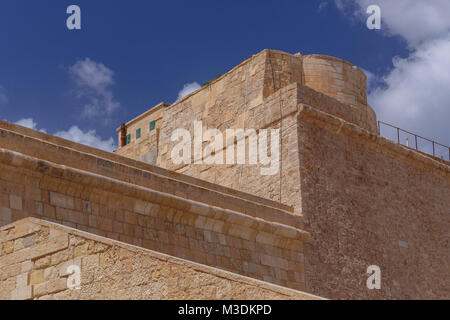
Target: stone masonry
x,y
364,200
35,257
344,198
95,191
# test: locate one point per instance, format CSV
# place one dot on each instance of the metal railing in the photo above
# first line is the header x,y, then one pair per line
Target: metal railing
x,y
434,144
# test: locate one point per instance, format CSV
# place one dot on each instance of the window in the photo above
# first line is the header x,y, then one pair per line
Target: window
x,y
128,139
138,133
152,125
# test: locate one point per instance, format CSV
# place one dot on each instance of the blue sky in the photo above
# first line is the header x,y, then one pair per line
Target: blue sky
x,y
131,55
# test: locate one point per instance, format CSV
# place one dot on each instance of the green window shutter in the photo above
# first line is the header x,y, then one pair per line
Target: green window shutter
x,y
138,133
128,138
152,125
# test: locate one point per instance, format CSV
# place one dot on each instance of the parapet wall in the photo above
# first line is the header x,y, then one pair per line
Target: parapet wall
x,y
35,256
336,78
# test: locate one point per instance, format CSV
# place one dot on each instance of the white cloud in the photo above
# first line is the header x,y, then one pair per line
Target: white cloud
x,y
3,96
89,138
372,80
417,21
187,89
75,134
94,81
28,122
414,95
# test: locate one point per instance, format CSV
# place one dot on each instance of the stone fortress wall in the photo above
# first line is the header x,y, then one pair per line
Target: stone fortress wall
x,y
363,199
108,195
36,257
254,95
344,198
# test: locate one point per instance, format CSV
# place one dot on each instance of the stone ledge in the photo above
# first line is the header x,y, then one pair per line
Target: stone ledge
x,y
146,194
60,150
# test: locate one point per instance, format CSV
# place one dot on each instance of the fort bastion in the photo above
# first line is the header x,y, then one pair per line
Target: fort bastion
x,y
344,198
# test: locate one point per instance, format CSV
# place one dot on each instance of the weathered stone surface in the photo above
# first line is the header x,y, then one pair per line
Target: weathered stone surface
x,y
163,221
374,196
344,199
361,197
113,270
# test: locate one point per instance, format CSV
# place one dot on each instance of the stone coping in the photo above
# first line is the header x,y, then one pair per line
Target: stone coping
x,y
271,232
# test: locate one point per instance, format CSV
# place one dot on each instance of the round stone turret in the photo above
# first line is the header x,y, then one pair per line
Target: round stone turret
x,y
341,80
